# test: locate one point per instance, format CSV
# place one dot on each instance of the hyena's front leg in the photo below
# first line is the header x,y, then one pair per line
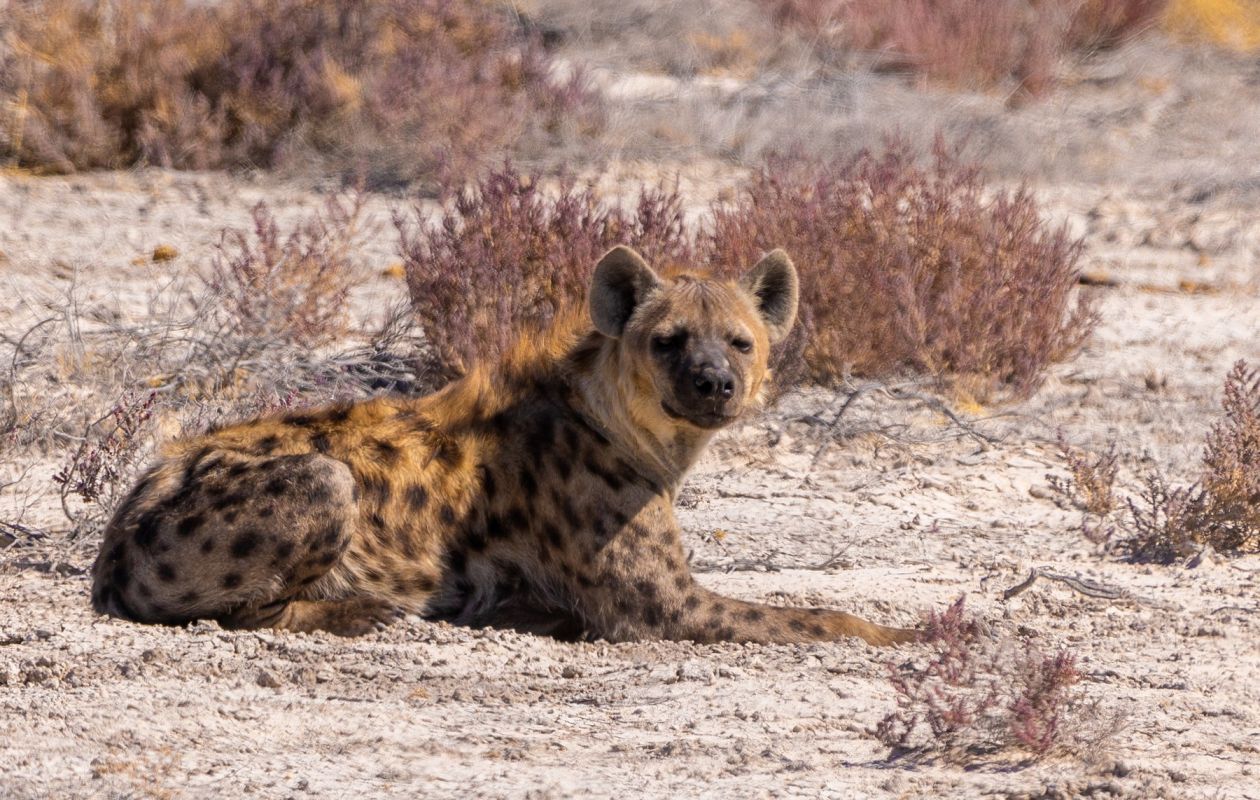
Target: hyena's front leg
x,y
643,589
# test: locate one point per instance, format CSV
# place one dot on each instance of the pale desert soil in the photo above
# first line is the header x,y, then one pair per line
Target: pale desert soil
x,y
901,511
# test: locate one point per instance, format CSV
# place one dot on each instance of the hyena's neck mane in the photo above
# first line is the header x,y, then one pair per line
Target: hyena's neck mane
x,y
576,366
603,388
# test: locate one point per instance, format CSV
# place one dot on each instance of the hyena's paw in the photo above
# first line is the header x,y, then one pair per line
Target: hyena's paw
x,y
343,617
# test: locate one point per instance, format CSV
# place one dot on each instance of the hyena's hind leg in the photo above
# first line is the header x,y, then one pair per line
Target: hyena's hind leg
x,y
243,539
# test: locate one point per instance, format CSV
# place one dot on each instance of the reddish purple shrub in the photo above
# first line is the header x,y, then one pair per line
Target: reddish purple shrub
x,y
97,470
290,287
971,43
914,268
1221,511
976,694
508,256
390,89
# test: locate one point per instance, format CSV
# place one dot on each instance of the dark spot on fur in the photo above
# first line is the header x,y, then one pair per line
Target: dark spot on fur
x,y
516,519
229,500
496,528
189,525
570,440
146,530
448,452
121,576
230,516
376,489
816,629
231,580
319,493
321,443
244,544
754,615
529,484
327,559
476,540
607,476
386,452
309,579
726,634
447,515
237,470
301,420
165,572
652,614
488,483
276,487
268,444
796,625
553,535
417,497
338,413
682,581
569,514
600,529
284,550
457,560
189,597
207,545
143,589
266,511
541,433
646,588
564,468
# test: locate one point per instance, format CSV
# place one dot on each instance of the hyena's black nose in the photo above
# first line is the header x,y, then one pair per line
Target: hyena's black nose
x,y
713,383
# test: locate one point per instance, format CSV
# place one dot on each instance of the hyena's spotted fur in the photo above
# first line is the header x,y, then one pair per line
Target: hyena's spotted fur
x,y
536,495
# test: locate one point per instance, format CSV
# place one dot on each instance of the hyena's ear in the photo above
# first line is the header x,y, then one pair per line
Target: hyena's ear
x,y
775,289
622,279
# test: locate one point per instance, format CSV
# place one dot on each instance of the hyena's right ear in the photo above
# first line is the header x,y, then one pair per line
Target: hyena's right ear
x,y
622,280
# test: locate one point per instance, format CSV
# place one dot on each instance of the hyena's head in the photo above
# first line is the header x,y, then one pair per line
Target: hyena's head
x,y
696,348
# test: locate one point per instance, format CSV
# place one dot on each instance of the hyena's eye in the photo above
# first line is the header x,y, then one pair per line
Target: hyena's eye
x,y
741,344
670,343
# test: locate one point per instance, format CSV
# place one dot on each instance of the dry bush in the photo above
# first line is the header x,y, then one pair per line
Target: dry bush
x,y
1091,479
906,267
977,695
292,287
1231,466
971,43
391,89
95,471
508,255
1167,523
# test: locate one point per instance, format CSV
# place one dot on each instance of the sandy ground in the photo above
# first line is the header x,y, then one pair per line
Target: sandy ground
x,y
887,511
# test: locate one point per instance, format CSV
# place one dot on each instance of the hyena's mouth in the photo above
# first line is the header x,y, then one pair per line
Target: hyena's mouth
x,y
703,419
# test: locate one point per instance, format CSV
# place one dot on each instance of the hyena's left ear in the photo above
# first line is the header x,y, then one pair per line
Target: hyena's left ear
x,y
622,280
775,289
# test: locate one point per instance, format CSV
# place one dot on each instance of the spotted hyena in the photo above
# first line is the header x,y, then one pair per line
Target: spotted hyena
x,y
536,494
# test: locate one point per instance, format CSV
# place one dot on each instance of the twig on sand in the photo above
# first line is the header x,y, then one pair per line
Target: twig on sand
x,y
903,392
1081,585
